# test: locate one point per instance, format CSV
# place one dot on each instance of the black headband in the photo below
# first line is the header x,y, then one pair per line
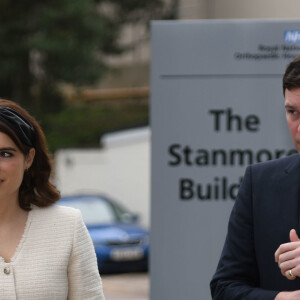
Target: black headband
x,y
22,127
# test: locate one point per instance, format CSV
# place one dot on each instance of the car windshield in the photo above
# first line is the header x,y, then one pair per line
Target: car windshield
x,y
96,211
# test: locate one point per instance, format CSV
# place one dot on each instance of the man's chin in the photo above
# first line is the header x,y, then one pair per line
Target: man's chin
x,y
297,145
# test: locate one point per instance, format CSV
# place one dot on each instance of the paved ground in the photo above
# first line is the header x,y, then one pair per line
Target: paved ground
x,y
126,286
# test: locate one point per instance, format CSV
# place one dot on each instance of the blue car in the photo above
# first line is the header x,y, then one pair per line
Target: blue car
x,y
121,244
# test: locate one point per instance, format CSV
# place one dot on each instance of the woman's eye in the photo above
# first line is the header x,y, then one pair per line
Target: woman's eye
x,y
5,154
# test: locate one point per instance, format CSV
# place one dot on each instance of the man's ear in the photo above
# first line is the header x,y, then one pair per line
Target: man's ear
x,y
29,158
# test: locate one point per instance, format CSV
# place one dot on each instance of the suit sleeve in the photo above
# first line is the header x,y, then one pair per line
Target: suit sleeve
x,y
237,275
83,274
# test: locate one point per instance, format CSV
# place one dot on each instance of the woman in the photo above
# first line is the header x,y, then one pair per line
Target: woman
x,y
45,250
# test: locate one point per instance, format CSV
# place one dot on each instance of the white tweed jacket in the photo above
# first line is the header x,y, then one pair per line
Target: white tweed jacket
x,y
55,259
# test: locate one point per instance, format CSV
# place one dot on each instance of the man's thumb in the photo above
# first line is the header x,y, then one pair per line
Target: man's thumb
x,y
293,236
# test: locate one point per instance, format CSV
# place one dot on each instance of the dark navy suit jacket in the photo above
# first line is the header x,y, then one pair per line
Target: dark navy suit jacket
x,y
266,209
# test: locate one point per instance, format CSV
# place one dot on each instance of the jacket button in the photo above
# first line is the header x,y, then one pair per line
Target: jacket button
x,y
7,270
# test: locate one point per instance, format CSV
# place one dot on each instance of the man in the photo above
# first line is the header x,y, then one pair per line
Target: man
x,y
261,255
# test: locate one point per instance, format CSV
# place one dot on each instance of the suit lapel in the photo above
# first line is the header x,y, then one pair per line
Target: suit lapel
x,y
289,184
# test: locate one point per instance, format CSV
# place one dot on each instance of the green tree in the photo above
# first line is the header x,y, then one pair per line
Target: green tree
x,y
45,43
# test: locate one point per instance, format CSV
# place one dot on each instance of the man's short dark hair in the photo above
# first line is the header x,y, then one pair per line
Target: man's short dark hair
x,y
291,77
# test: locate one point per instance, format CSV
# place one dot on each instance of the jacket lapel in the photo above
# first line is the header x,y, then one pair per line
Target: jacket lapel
x,y
290,185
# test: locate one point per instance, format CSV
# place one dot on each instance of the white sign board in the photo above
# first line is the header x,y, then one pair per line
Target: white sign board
x,y
216,106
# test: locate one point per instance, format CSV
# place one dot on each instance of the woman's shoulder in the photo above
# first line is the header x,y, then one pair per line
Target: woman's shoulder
x,y
56,212
55,225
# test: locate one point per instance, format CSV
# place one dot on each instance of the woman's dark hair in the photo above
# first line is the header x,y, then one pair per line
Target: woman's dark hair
x,y
36,187
291,77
